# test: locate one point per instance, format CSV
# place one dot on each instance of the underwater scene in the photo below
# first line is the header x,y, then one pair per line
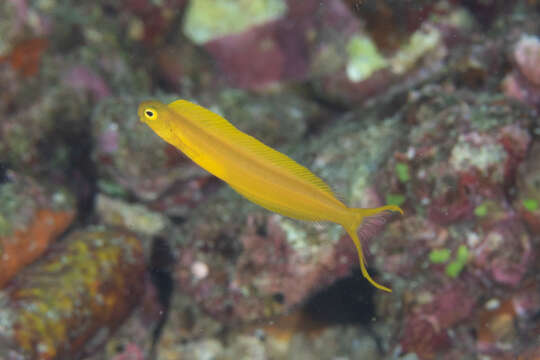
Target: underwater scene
x,y
269,179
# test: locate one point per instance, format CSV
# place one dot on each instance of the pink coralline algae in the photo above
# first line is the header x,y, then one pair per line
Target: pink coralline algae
x,y
527,201
263,65
516,141
156,17
81,78
527,57
425,329
524,82
280,50
505,252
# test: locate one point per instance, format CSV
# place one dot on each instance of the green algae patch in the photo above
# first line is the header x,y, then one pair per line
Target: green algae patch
x,y
394,199
439,256
402,171
364,58
481,210
530,204
209,19
455,267
420,43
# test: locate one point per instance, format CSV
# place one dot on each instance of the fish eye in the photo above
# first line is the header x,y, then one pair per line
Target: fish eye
x,y
150,114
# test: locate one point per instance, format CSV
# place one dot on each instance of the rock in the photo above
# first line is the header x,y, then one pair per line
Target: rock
x,y
32,216
523,83
425,328
391,49
135,218
463,239
294,336
70,301
501,320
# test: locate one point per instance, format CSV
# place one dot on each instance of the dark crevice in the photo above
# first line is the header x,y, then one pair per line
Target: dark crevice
x,y
3,174
279,298
109,10
160,269
329,109
347,301
261,230
83,172
224,245
486,12
392,106
328,103
76,169
177,219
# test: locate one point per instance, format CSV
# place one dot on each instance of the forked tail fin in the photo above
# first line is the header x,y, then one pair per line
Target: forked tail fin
x,y
369,221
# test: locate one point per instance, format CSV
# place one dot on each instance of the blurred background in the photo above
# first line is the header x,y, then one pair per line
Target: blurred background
x,y
114,245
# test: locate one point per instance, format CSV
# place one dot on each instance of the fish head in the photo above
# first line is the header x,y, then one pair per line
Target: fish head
x,y
156,115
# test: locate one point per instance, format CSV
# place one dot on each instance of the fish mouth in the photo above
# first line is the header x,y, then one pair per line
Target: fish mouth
x,y
141,115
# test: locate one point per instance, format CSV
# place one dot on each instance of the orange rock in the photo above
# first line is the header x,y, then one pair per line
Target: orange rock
x,y
24,246
495,325
26,56
286,326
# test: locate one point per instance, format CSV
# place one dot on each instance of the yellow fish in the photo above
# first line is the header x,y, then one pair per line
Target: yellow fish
x,y
258,172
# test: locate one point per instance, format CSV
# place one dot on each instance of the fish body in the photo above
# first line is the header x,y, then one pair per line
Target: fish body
x,y
256,171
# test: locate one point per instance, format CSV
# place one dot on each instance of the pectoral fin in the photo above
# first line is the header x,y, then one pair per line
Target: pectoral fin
x,y
208,163
189,151
181,145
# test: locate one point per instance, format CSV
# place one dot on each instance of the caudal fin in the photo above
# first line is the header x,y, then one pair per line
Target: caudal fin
x,y
370,221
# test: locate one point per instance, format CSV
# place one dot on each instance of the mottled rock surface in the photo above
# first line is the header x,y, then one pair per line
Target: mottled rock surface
x,y
70,301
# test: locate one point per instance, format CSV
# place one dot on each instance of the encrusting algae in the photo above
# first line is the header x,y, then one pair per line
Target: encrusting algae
x,y
256,171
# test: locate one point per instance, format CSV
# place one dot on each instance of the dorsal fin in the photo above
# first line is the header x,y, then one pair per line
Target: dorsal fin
x,y
219,126
201,116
